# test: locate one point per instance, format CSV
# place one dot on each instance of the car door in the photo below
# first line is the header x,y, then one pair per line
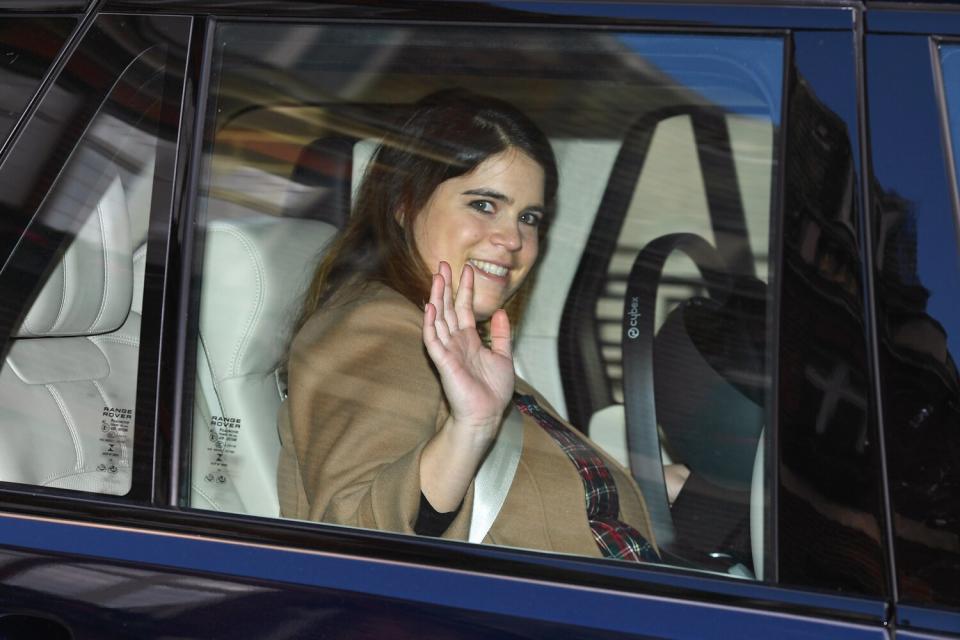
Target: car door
x,y
914,236
131,505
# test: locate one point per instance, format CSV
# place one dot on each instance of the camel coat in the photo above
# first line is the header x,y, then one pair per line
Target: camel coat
x,y
363,401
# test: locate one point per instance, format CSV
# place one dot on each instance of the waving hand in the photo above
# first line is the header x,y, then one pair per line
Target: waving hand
x,y
477,380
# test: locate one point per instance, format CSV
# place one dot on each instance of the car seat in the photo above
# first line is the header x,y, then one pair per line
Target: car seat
x,y
68,383
701,379
255,270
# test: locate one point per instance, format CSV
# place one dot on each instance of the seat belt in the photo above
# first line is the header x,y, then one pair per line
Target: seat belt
x,y
496,475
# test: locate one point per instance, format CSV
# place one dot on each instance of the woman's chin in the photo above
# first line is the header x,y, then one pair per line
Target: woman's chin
x,y
484,311
486,303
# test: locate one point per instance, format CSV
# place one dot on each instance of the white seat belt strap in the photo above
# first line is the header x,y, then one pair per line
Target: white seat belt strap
x,y
496,475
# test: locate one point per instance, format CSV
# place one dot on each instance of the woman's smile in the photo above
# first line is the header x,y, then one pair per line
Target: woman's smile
x,y
490,270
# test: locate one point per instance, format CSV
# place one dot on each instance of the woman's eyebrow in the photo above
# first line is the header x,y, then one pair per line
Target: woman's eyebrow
x,y
489,193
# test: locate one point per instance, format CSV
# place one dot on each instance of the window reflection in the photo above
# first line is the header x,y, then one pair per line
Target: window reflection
x,y
654,134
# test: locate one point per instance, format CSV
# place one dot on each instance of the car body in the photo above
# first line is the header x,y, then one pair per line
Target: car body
x,y
824,136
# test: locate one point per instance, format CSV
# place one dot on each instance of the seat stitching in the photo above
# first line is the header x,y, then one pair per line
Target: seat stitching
x,y
129,342
207,496
59,476
241,344
106,270
63,295
95,341
140,253
38,331
82,472
71,426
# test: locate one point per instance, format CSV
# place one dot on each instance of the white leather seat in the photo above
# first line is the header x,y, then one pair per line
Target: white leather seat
x,y
68,384
255,271
759,509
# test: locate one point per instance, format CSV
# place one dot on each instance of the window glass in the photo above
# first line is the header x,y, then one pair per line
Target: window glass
x,y
28,46
919,271
665,147
74,283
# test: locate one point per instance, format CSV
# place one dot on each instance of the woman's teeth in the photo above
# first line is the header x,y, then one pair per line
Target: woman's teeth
x,y
489,267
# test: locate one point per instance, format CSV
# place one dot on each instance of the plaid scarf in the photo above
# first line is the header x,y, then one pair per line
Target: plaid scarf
x,y
615,538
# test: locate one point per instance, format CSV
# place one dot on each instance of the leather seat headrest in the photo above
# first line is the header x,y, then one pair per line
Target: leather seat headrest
x,y
89,290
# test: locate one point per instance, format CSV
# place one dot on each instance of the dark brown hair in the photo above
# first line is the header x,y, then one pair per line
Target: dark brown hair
x,y
449,134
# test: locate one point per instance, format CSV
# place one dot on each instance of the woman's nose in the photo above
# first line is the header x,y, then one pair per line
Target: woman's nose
x,y
508,236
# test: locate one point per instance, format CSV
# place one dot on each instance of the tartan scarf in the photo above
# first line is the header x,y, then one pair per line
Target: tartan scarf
x,y
615,538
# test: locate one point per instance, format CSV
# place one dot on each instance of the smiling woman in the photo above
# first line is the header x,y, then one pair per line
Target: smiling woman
x,y
379,433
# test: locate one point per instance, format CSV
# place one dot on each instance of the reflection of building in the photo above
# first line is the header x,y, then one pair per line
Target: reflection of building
x,y
829,468
823,269
907,326
826,414
821,216
922,411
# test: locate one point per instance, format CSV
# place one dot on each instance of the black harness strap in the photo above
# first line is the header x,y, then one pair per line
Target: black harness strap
x,y
643,440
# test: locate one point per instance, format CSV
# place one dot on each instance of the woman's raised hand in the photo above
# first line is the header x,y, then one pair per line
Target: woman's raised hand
x,y
477,380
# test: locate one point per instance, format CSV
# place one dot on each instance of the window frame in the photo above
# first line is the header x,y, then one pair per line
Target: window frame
x,y
185,417
173,280
899,35
63,148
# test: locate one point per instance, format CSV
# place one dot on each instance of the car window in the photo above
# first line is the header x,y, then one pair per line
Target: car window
x,y
644,336
83,174
919,275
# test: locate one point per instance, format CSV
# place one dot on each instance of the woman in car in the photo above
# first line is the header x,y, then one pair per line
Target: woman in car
x,y
401,379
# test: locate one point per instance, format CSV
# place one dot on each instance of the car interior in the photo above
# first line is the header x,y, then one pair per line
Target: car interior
x,y
685,166
664,208
68,383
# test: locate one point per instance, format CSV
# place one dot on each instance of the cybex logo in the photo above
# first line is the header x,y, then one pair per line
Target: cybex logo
x,y
634,315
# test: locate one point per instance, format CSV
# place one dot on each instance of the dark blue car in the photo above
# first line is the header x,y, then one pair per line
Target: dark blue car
x,y
753,274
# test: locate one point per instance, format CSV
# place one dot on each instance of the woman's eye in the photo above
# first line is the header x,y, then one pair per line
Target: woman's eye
x,y
530,218
484,206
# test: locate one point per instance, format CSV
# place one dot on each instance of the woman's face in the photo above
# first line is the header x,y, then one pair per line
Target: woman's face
x,y
487,218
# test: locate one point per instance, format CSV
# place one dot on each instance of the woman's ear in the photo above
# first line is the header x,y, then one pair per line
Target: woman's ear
x,y
402,210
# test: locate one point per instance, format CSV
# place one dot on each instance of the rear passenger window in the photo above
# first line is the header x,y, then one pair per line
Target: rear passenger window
x,y
918,284
84,174
642,343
